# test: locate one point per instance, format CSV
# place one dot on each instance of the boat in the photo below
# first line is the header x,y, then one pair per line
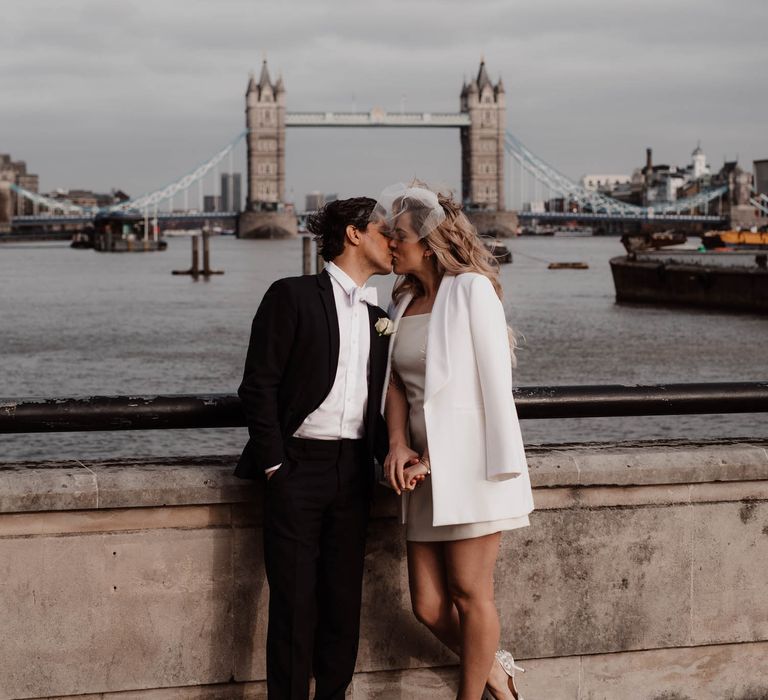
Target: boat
x,y
124,232
573,231
82,239
568,266
499,251
634,242
733,280
714,240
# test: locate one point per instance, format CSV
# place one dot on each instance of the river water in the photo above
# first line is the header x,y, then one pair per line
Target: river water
x,y
77,323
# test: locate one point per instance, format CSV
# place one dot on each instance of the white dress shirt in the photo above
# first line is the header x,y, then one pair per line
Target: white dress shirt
x,y
342,412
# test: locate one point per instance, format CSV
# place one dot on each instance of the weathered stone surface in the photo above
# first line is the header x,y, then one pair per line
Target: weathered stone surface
x,y
110,612
53,486
728,672
167,484
592,581
250,599
729,581
553,468
725,672
147,482
155,602
229,691
662,465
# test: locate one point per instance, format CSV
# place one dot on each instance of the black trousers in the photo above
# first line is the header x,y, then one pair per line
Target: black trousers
x,y
315,521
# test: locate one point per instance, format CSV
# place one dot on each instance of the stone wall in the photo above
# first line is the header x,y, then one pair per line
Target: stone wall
x,y
643,576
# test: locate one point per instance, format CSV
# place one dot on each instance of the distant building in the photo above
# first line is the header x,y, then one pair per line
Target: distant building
x,y
211,203
231,192
599,183
314,201
667,183
89,199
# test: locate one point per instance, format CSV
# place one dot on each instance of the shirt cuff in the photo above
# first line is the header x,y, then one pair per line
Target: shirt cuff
x,y
272,469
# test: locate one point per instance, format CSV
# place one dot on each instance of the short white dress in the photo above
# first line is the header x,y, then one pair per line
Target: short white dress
x,y
409,360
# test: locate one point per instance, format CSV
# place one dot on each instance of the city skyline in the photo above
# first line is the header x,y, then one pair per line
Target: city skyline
x,y
588,90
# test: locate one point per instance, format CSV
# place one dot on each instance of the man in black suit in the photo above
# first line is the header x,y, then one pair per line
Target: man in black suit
x,y
312,390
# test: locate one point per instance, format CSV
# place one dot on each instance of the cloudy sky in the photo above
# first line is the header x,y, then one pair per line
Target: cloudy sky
x,y
133,94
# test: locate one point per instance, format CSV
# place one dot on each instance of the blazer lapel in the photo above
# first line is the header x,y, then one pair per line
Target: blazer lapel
x,y
329,304
375,355
396,316
438,360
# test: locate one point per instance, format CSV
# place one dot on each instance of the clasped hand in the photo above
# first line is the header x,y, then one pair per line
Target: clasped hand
x,y
403,469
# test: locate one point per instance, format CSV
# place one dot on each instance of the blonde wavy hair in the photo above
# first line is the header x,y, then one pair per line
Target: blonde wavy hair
x,y
455,244
456,248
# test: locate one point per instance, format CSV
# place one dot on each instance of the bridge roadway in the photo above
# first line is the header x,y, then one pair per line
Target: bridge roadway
x,y
36,221
62,219
648,217
379,118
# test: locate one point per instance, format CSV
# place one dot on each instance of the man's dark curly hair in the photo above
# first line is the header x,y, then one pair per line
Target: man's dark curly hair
x,y
329,224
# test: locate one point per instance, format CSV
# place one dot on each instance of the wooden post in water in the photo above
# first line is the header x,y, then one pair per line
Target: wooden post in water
x,y
206,253
195,269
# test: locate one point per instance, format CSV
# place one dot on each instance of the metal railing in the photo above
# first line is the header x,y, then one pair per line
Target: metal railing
x,y
183,411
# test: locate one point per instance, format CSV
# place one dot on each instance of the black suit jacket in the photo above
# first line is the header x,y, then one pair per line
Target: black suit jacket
x,y
291,365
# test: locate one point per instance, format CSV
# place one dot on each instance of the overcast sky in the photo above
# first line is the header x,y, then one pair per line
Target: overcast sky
x,y
133,94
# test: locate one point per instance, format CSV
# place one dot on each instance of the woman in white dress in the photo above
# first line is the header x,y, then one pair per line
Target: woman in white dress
x,y
455,448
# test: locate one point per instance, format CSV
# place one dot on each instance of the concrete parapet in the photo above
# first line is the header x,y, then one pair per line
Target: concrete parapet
x,y
642,576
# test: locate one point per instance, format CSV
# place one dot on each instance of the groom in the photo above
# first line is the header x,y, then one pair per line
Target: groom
x,y
311,391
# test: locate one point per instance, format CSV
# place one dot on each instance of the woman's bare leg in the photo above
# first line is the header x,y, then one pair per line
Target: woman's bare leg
x,y
433,606
430,598
469,566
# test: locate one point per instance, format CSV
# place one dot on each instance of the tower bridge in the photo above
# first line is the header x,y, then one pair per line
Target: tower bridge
x,y
481,121
495,167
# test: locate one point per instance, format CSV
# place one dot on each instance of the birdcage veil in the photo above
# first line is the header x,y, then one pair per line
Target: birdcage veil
x,y
415,199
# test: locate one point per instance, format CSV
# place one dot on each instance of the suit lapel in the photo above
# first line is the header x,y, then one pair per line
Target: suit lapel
x,y
332,318
376,339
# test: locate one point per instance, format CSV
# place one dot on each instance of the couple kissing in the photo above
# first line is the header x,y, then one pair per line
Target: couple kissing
x,y
333,385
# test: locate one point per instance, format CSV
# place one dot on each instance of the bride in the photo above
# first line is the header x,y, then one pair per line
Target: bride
x,y
455,447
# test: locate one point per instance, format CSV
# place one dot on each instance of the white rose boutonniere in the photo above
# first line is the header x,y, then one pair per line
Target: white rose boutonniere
x,y
385,326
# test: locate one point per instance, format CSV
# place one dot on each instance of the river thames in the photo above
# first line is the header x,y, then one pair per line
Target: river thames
x,y
78,323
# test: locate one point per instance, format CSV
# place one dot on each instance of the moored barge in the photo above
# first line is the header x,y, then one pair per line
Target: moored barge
x,y
735,280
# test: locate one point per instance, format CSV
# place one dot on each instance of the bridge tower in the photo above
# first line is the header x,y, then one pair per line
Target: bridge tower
x,y
482,143
265,121
266,215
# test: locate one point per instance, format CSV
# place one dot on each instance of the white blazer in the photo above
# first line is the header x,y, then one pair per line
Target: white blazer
x,y
479,471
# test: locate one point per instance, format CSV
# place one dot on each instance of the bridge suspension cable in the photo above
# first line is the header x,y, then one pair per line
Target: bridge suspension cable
x,y
595,202
760,202
63,205
182,184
